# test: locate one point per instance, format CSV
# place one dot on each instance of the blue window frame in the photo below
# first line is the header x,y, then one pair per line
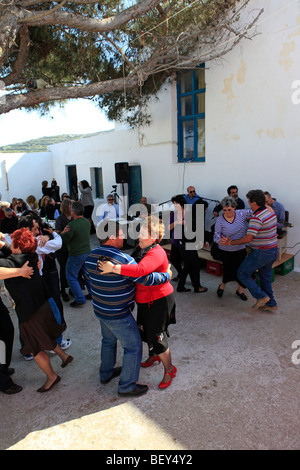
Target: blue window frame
x,y
191,115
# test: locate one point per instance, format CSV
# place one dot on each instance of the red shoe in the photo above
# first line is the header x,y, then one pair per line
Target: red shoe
x,y
150,361
172,374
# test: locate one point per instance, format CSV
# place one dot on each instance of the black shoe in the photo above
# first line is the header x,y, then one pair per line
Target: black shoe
x,y
10,371
138,390
89,296
14,388
75,304
117,371
241,296
183,290
65,296
220,292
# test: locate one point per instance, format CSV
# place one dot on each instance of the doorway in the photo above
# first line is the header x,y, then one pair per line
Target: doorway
x,y
72,181
135,184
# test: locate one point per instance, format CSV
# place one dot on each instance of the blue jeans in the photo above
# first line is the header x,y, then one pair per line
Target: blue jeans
x,y
126,331
261,260
73,266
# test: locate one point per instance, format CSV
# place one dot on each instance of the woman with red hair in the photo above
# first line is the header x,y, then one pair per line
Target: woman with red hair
x,y
38,326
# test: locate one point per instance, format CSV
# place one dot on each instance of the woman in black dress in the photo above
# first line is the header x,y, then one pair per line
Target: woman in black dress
x,y
37,324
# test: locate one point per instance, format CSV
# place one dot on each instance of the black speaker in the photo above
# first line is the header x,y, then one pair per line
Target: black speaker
x,y
122,172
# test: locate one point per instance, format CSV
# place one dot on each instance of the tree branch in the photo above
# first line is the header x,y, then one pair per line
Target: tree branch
x,y
33,98
20,63
84,23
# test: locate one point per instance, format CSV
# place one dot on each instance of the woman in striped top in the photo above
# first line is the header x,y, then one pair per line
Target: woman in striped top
x,y
233,224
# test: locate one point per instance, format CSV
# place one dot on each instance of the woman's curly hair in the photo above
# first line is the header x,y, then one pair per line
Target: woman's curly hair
x,y
24,239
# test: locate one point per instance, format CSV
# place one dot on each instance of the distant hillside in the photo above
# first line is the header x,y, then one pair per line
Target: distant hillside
x,y
40,145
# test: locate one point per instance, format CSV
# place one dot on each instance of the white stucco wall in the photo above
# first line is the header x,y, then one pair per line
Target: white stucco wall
x,y
21,174
252,128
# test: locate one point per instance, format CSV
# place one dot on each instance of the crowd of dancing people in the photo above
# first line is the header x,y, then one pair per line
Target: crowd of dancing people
x,y
46,260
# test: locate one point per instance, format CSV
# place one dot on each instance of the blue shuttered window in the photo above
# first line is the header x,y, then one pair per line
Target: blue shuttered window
x,y
191,115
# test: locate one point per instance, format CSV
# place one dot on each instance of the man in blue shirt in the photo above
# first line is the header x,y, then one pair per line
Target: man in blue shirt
x,y
191,195
113,301
278,209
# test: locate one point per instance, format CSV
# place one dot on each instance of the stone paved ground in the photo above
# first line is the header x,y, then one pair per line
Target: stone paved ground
x,y
236,388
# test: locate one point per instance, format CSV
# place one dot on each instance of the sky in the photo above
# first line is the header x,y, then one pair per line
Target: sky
x,y
78,117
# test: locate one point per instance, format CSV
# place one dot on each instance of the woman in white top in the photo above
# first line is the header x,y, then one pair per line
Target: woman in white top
x,y
232,223
87,200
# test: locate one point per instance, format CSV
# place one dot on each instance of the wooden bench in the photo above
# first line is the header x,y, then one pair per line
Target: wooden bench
x,y
282,266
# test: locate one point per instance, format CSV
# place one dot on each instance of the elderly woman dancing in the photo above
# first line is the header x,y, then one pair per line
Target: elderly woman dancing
x,y
37,324
156,304
232,223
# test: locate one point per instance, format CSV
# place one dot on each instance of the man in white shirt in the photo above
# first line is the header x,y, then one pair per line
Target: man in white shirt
x,y
110,210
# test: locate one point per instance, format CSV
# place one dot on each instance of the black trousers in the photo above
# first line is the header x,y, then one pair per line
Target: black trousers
x,y
62,258
176,258
88,210
191,267
7,336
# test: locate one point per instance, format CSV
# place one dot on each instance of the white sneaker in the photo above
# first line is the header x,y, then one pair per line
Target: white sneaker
x,y
28,357
65,343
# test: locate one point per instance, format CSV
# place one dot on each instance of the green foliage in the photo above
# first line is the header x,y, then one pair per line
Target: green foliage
x,y
149,46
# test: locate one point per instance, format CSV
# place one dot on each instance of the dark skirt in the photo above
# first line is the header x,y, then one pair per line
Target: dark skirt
x,y
231,262
153,320
40,331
